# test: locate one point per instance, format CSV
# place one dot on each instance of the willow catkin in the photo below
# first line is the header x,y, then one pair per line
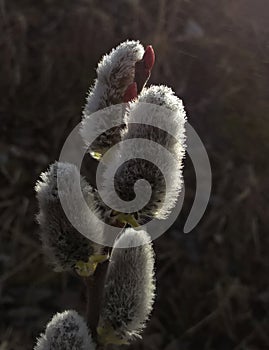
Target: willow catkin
x,y
66,331
115,72
154,142
129,288
63,244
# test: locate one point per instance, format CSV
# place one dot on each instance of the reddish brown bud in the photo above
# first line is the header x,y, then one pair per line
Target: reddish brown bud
x,y
149,57
130,93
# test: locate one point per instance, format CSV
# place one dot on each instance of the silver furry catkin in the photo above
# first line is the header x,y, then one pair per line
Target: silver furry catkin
x,y
152,120
129,289
65,247
115,72
66,331
158,105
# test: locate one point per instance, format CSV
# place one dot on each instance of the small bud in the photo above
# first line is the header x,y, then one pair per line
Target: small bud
x,y
65,247
129,289
66,331
143,68
115,73
149,57
130,93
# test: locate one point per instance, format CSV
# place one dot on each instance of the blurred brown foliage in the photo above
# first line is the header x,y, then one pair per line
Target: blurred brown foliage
x,y
213,287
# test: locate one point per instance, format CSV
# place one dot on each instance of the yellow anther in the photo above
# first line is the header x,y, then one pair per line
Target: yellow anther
x,y
96,155
106,335
86,269
127,219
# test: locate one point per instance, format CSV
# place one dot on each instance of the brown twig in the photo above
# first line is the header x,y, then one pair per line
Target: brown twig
x,y
95,286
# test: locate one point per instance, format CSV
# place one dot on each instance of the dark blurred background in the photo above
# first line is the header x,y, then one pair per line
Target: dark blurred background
x,y
213,287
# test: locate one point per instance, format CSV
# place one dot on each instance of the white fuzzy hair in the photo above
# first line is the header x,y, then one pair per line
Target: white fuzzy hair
x,y
130,285
157,106
114,74
66,331
62,243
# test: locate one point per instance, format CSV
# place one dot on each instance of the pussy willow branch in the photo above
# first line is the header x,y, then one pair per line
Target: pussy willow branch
x,y
95,287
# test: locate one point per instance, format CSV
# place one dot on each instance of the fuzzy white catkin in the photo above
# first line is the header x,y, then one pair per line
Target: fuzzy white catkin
x,y
114,74
62,243
66,331
157,115
159,105
130,286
